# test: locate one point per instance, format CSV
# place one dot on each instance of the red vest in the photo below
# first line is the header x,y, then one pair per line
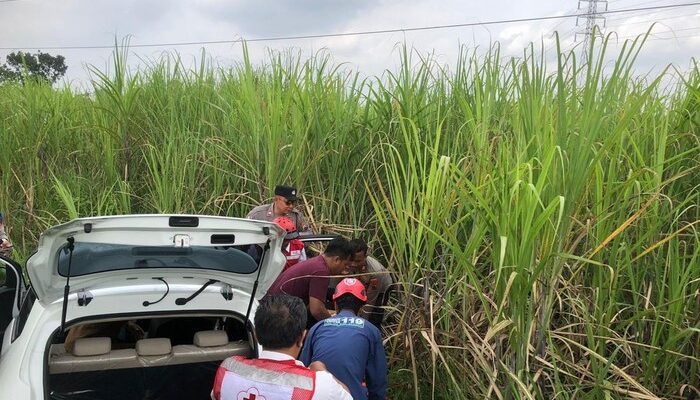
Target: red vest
x,y
239,378
293,252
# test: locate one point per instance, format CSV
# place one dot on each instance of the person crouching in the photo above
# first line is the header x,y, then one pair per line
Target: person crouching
x,y
349,345
280,323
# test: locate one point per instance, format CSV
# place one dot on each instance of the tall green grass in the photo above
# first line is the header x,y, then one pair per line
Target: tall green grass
x,y
542,224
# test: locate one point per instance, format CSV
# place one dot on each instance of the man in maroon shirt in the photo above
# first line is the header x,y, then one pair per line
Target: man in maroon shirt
x,y
309,279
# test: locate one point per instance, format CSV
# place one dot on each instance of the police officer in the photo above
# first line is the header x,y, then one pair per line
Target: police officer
x,y
282,205
349,346
280,323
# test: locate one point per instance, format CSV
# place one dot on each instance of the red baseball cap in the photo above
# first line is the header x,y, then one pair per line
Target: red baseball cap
x,y
352,286
288,225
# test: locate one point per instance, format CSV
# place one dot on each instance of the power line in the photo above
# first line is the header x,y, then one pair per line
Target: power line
x,y
652,20
570,14
358,33
654,34
654,16
643,3
675,37
661,38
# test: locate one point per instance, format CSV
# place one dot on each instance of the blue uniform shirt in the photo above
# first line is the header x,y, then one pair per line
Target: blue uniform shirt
x,y
352,350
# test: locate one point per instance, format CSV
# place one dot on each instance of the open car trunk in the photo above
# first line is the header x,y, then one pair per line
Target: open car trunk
x,y
177,359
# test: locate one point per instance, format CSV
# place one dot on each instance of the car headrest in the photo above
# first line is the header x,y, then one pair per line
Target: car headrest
x,y
94,346
153,347
210,338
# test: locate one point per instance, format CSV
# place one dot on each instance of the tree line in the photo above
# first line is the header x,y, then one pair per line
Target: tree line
x,y
21,66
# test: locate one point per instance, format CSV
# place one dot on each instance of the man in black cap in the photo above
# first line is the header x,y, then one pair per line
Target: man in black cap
x,y
282,205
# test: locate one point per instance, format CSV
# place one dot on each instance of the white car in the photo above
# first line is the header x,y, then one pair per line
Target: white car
x,y
150,305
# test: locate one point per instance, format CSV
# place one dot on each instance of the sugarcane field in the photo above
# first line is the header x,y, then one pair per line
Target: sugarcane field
x,y
377,216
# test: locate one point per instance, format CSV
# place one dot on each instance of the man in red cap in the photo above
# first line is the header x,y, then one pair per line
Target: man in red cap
x,y
349,346
282,206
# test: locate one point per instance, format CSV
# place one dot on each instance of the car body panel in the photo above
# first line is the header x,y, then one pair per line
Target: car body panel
x,y
21,361
150,230
11,291
129,298
132,292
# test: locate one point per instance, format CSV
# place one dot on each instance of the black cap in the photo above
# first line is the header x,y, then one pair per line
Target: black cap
x,y
288,192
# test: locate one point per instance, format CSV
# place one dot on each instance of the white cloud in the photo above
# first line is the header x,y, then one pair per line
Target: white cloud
x,y
80,22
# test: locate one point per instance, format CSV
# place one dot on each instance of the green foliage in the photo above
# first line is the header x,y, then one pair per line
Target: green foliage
x,y
543,224
22,66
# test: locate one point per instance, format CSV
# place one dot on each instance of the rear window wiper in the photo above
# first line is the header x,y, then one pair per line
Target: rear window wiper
x,y
181,301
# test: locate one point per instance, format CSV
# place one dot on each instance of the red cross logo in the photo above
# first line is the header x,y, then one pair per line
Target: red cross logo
x,y
250,394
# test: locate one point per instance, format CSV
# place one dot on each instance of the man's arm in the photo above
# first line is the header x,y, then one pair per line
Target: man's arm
x,y
318,289
327,386
318,309
302,224
306,355
320,366
376,371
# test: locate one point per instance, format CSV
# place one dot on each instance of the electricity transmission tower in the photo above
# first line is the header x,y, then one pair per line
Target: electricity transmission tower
x,y
591,8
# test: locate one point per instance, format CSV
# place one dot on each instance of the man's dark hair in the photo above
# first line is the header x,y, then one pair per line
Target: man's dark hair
x,y
339,247
349,302
279,321
358,246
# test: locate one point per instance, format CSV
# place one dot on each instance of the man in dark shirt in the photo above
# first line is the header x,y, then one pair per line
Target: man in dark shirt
x,y
349,346
309,279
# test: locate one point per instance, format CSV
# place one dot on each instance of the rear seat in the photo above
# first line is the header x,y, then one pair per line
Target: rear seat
x,y
92,354
154,352
209,346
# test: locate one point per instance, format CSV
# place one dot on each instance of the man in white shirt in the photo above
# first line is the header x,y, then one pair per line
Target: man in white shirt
x,y
280,323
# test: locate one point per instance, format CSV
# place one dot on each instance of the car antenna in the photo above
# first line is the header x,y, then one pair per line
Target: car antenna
x,y
66,289
257,278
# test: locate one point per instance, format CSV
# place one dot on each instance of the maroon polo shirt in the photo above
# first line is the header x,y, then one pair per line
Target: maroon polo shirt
x,y
308,278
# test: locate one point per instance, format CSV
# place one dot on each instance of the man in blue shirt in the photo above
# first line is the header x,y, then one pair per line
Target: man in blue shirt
x,y
349,346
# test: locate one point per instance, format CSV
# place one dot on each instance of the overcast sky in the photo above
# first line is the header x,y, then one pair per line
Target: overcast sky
x,y
39,24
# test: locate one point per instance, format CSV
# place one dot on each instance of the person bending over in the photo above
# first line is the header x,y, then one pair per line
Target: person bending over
x,y
309,280
349,345
276,374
